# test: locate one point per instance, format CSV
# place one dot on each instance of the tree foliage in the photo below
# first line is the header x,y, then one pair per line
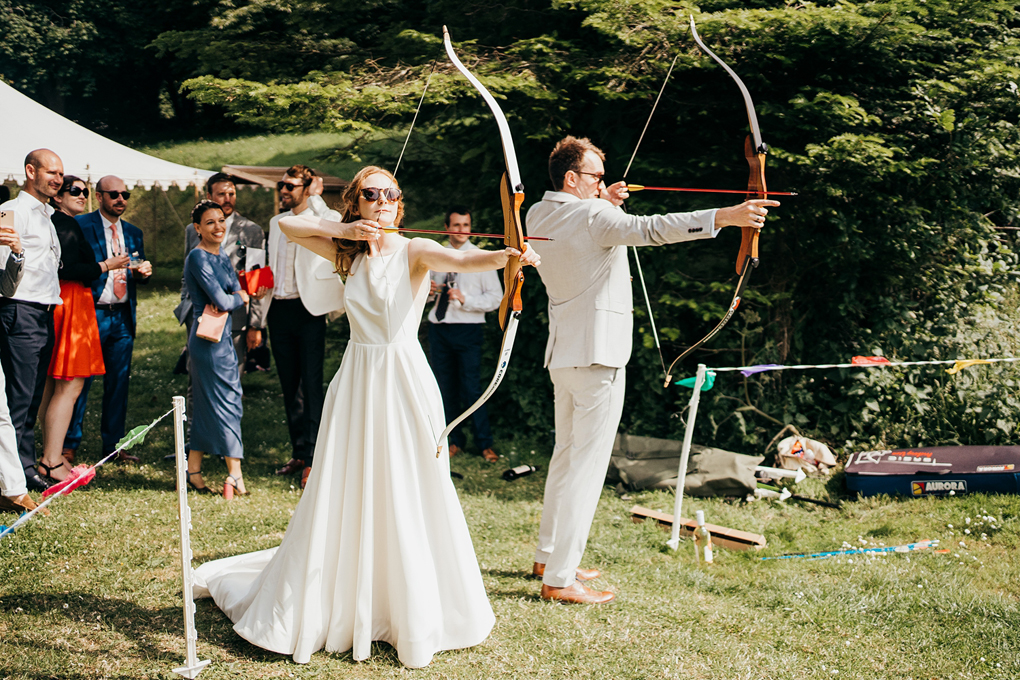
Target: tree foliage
x,y
895,121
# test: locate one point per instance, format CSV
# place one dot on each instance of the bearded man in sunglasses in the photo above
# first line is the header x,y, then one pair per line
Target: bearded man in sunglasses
x,y
591,320
116,298
306,290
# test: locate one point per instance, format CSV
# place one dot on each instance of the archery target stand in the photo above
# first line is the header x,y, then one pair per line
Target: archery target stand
x,y
193,666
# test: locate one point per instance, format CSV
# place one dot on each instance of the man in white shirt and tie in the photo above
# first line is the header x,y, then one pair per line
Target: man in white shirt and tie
x,y
26,317
307,288
456,325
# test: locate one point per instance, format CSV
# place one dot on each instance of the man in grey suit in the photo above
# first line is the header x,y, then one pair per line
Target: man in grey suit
x,y
245,245
587,278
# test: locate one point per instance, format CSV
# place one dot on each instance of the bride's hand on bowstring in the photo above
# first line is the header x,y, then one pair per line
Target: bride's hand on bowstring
x,y
529,256
362,230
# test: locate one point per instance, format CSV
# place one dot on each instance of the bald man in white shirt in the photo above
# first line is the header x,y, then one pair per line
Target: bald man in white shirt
x,y
26,317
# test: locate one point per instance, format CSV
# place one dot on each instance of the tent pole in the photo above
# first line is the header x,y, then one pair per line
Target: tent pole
x,y
685,453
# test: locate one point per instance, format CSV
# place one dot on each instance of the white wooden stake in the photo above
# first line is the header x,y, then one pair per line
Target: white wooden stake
x,y
194,666
685,453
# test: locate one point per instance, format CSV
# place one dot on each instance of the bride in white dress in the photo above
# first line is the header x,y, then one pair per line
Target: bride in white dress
x,y
378,548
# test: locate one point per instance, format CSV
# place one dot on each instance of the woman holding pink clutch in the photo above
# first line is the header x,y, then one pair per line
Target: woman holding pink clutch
x,y
216,404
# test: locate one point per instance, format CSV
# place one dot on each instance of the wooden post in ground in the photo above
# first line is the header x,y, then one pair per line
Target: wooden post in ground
x,y
193,666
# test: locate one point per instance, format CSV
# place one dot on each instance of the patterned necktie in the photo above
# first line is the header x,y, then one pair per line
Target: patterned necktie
x,y
119,275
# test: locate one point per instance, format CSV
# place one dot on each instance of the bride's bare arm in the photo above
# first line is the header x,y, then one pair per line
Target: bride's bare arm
x,y
317,234
425,254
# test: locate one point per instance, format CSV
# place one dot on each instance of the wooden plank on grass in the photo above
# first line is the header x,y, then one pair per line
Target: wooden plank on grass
x,y
721,536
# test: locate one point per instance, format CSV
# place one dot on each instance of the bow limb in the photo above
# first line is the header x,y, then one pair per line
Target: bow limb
x,y
511,192
754,151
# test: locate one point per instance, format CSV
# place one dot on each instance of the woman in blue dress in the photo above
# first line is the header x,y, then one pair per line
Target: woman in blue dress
x,y
216,405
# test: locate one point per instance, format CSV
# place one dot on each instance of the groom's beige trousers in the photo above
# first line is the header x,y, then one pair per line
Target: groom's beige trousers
x,y
12,475
589,403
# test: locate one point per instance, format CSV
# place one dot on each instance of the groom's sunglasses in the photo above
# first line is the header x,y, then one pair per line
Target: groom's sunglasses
x,y
114,194
373,194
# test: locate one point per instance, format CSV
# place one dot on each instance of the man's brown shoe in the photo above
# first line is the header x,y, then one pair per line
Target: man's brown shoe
x,y
304,476
125,457
69,455
581,574
454,450
576,594
19,504
293,465
490,456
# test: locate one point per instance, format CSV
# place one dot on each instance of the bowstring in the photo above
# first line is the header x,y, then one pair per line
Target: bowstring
x,y
415,119
637,260
396,167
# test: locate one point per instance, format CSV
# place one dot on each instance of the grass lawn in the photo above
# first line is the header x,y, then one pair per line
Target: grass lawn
x,y
94,590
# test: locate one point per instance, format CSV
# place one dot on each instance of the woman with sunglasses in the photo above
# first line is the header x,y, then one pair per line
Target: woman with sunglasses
x,y
377,548
77,353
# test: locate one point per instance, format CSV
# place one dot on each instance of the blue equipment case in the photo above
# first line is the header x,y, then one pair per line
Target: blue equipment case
x,y
935,471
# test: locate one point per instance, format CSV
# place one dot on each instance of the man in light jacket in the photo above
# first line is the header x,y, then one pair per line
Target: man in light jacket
x,y
587,277
307,288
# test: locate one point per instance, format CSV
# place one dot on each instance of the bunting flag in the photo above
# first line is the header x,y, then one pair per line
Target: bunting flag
x,y
965,363
81,475
869,361
705,387
760,368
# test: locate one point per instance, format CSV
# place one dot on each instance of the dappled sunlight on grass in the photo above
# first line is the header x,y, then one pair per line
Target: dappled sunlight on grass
x,y
94,590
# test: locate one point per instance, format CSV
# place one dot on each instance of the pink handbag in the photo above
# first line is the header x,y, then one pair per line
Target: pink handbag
x,y
211,323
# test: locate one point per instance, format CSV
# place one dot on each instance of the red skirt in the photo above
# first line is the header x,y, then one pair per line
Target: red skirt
x,y
77,352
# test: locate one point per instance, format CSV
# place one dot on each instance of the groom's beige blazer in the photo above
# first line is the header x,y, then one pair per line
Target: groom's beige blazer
x,y
587,274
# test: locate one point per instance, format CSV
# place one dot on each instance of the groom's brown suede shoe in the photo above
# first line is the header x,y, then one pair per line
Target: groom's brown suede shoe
x,y
576,593
581,574
20,504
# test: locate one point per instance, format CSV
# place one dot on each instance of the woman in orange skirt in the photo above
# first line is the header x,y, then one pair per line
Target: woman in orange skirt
x,y
77,353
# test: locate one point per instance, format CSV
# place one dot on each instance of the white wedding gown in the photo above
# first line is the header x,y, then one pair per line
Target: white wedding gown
x,y
378,548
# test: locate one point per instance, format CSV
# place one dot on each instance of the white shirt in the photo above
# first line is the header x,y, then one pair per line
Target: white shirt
x,y
113,248
285,287
40,248
482,293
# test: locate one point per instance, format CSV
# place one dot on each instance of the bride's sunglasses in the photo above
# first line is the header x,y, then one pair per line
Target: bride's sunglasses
x,y
373,194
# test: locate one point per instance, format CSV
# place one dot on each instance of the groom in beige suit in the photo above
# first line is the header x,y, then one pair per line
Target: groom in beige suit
x,y
587,278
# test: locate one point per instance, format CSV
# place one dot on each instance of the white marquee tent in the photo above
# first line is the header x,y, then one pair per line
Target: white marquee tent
x,y
28,125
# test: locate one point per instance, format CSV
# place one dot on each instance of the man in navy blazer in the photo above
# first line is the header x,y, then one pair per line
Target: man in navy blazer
x,y
116,300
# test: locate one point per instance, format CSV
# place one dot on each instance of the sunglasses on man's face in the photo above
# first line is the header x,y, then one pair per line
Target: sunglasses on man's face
x,y
290,186
114,194
78,191
373,194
